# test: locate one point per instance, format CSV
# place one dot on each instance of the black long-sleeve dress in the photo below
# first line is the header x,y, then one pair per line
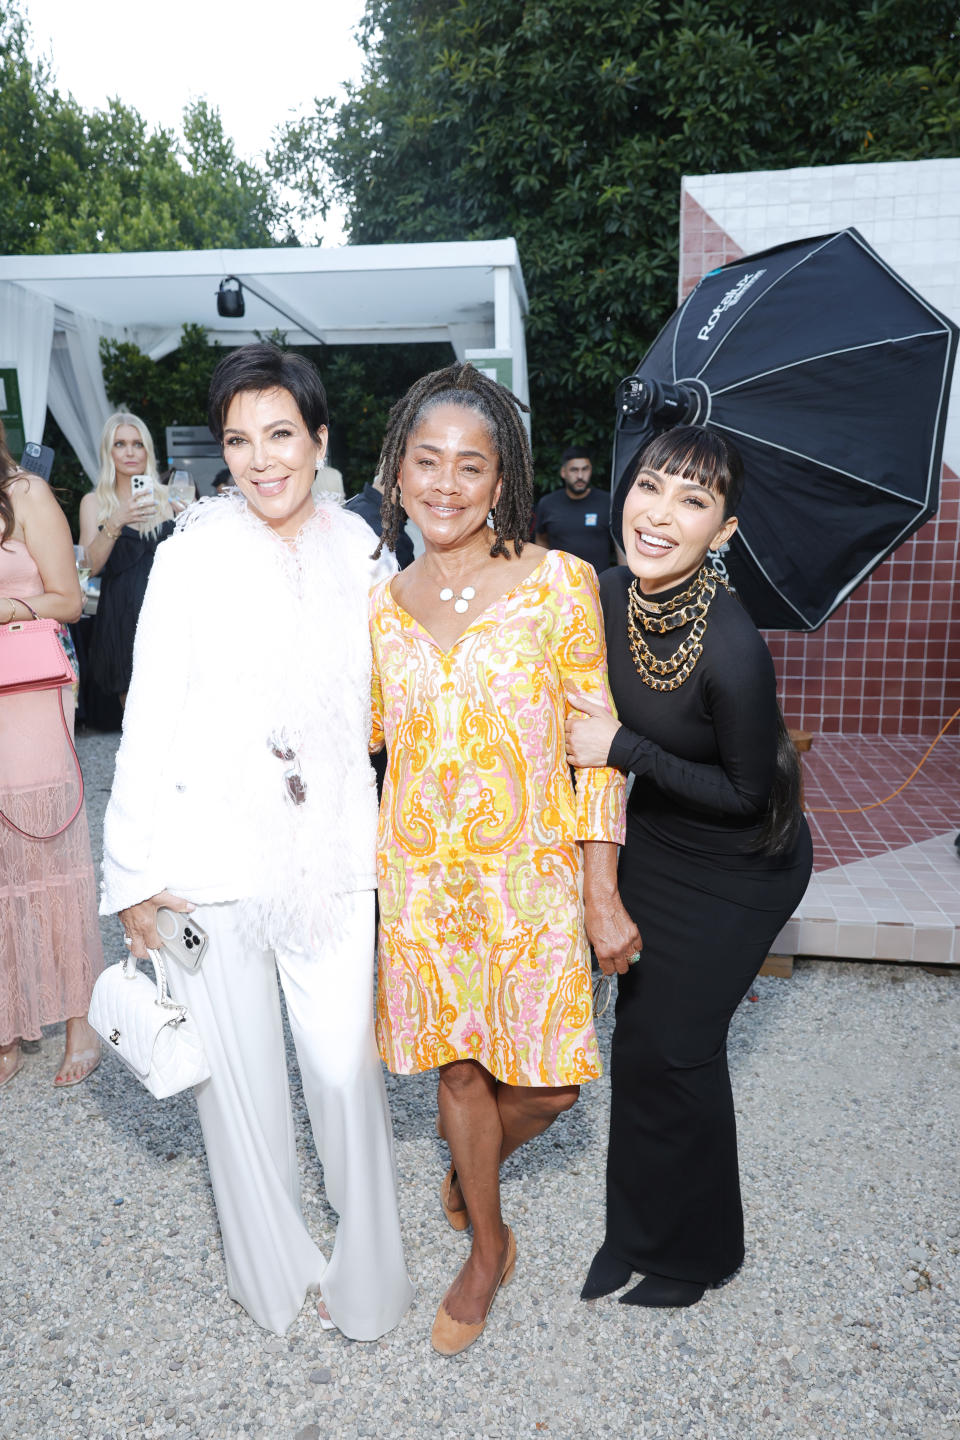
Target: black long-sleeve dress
x,y
123,584
708,907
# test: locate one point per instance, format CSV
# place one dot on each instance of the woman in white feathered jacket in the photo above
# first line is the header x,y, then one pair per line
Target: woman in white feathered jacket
x,y
244,794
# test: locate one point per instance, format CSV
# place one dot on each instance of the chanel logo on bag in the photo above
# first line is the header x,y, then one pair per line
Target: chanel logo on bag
x,y
114,1037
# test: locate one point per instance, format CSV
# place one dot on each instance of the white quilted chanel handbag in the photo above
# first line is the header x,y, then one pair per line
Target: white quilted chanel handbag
x,y
151,1034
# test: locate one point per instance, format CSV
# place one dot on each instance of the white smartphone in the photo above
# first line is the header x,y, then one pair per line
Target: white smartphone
x,y
185,940
141,485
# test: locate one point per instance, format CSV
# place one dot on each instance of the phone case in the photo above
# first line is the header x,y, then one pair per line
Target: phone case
x,y
141,485
185,940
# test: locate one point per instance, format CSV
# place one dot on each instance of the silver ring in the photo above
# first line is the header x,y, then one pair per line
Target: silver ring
x,y
637,955
128,942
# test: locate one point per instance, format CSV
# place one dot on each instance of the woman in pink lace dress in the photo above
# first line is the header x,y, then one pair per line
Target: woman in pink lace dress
x,y
50,951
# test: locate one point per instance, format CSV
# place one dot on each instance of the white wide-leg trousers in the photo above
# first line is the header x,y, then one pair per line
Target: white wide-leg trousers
x,y
247,1121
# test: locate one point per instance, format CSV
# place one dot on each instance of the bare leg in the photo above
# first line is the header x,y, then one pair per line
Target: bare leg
x,y
467,1099
472,1118
81,1053
525,1112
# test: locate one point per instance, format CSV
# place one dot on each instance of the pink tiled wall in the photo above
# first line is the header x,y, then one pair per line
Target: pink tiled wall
x,y
703,244
888,662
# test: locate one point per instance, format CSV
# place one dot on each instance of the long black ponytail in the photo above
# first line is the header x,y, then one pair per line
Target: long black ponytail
x,y
782,819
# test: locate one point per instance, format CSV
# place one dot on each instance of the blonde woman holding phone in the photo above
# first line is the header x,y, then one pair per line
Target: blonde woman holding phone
x,y
122,521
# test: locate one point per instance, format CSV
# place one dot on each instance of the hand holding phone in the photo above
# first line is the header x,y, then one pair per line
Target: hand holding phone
x,y
182,937
141,508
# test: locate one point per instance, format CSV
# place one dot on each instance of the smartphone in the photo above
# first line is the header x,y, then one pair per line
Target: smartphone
x,y
182,937
141,485
38,459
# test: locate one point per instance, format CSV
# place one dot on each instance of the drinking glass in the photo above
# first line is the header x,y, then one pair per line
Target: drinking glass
x,y
180,488
83,565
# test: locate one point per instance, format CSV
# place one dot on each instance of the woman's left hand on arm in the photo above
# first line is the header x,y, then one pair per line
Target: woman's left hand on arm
x,y
589,731
614,936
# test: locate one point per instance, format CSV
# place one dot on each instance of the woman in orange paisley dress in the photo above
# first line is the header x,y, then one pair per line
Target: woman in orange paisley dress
x,y
481,648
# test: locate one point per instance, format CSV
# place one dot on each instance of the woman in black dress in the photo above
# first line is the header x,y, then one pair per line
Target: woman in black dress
x,y
120,532
717,857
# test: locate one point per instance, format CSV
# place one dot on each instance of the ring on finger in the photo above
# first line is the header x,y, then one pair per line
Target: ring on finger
x,y
632,959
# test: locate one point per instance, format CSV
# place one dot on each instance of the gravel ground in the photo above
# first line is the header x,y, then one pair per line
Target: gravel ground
x,y
115,1321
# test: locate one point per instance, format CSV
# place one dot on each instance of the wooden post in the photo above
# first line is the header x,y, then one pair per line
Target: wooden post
x,y
779,965
802,741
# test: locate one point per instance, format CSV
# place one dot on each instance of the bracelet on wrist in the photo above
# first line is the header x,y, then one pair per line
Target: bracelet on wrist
x,y
13,609
110,534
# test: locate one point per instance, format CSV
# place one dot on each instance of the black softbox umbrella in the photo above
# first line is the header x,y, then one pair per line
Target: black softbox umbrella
x,y
832,377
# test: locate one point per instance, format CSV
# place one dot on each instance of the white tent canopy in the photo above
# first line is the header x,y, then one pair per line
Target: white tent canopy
x,y
55,308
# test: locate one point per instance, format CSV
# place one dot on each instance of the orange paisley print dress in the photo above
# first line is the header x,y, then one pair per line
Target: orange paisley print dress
x,y
482,950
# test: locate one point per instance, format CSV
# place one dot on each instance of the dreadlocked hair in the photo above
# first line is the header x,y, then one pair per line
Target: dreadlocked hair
x,y
463,385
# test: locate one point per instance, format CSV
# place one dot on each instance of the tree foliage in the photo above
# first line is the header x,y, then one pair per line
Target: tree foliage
x,y
362,383
569,124
77,181
171,391
72,180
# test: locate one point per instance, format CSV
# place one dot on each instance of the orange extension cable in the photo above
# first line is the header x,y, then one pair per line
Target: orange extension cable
x,y
860,809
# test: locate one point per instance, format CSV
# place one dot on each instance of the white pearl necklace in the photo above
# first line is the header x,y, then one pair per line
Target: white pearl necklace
x,y
461,602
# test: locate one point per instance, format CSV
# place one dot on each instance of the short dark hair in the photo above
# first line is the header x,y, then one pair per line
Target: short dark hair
x,y
575,452
266,367
700,454
500,410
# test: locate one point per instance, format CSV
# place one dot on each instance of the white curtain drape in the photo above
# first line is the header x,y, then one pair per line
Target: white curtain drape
x,y
26,335
77,397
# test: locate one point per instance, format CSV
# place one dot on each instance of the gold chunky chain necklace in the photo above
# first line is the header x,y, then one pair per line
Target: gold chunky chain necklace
x,y
688,608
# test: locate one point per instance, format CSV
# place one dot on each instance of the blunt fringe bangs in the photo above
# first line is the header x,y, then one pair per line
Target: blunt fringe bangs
x,y
696,453
266,367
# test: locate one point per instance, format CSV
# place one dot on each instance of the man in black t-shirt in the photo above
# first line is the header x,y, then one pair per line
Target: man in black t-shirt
x,y
367,504
576,518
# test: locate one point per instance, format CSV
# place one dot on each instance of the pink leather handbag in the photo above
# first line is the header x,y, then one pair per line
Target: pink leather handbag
x,y
32,658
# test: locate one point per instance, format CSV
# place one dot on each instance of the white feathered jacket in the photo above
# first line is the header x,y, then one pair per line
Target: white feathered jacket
x,y
244,641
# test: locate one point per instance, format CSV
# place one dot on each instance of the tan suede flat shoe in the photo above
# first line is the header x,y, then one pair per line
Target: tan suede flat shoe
x,y
449,1336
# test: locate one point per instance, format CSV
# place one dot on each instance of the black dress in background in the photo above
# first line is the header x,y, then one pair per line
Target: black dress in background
x,y
708,907
123,584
